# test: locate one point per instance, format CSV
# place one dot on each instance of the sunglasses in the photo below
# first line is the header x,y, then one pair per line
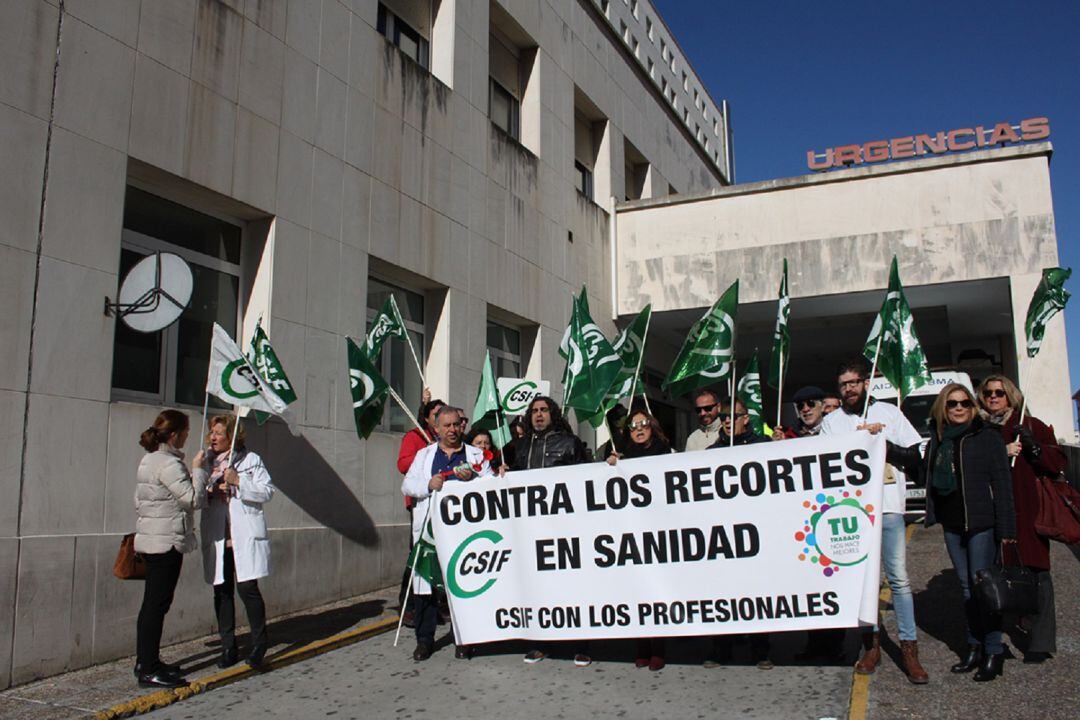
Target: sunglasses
x,y
639,425
727,416
852,383
959,403
803,404
993,393
705,408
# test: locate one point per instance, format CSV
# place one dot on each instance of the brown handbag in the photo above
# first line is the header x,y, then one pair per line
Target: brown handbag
x,y
1059,510
129,564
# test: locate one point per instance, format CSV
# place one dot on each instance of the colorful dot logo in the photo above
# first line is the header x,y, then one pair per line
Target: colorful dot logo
x,y
836,532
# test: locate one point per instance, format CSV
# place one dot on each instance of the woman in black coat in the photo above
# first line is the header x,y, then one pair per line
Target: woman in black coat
x,y
642,437
970,494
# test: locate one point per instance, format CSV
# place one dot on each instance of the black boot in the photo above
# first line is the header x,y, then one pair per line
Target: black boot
x,y
258,652
990,667
969,661
229,657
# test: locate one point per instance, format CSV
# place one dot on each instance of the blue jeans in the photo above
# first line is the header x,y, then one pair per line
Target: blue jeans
x,y
894,558
971,552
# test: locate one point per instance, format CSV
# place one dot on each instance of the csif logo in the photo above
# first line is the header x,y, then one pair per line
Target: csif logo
x,y
476,563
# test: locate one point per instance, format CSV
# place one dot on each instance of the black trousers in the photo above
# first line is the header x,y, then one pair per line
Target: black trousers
x,y
225,607
426,617
162,573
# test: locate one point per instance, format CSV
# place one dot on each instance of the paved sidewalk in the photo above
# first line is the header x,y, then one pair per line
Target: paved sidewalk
x,y
1048,691
81,693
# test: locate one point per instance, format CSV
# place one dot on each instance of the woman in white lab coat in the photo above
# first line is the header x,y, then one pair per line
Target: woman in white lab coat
x,y
236,548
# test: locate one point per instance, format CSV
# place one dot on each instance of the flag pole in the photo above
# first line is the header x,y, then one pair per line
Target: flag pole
x,y
873,369
780,389
1023,409
423,382
637,370
408,412
235,432
205,409
731,410
412,569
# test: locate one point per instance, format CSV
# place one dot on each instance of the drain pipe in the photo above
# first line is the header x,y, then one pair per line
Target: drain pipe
x,y
612,234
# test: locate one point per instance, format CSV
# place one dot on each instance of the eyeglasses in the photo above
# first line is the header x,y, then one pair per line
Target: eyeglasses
x,y
639,425
996,393
959,403
852,383
803,404
728,416
704,408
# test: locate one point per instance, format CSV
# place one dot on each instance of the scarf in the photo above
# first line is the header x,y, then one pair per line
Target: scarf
x,y
944,473
997,420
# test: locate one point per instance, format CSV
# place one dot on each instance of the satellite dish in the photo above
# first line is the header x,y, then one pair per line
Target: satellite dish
x,y
154,293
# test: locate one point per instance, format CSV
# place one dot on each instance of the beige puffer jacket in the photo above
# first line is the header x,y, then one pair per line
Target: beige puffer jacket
x,y
166,497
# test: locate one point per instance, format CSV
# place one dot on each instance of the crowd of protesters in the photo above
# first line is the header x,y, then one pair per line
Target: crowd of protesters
x,y
979,466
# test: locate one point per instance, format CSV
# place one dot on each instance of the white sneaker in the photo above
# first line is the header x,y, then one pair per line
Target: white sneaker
x,y
582,660
534,656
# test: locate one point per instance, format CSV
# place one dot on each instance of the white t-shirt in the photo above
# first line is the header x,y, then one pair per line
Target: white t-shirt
x,y
898,430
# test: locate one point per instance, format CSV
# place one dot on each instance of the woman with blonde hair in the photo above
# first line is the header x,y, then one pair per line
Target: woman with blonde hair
x,y
236,548
1035,454
969,492
166,496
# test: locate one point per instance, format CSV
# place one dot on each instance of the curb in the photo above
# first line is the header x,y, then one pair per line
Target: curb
x,y
859,700
163,698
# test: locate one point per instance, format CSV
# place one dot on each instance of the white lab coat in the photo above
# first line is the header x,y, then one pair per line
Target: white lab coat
x,y
415,485
243,515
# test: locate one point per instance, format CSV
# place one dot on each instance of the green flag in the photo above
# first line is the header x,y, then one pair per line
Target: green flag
x,y
487,413
369,390
424,558
749,391
387,323
591,363
1049,299
630,346
707,353
267,364
781,352
900,359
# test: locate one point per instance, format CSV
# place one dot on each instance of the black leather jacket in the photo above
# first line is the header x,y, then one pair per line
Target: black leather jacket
x,y
550,449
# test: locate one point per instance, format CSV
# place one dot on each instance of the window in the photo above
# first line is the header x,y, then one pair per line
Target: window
x,y
584,179
663,50
686,116
604,6
504,110
633,8
395,363
651,68
685,82
634,45
169,367
504,344
624,31
402,35
663,85
648,27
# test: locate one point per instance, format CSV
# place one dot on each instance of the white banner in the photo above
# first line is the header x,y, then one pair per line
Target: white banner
x,y
776,536
516,393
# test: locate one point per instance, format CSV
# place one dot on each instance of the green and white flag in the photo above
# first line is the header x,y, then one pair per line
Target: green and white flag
x,y
487,413
749,391
1049,299
233,379
388,323
781,349
368,388
267,364
424,559
900,358
591,363
630,346
707,353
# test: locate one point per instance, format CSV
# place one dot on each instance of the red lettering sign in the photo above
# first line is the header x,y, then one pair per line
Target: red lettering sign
x,y
957,140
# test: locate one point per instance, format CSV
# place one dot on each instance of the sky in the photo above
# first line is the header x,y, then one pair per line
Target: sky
x,y
812,75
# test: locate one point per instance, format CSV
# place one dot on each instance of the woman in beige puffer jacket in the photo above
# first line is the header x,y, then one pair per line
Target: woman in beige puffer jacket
x,y
166,497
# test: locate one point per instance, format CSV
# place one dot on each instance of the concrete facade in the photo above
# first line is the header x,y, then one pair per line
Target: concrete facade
x,y
340,158
972,233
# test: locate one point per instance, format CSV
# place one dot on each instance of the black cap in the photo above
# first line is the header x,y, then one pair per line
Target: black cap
x,y
809,392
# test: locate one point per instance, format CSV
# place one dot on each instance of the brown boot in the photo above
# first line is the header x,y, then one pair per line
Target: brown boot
x,y
909,655
871,656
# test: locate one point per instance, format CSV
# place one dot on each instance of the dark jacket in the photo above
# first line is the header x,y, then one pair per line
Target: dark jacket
x,y
550,449
747,438
1041,456
981,466
656,446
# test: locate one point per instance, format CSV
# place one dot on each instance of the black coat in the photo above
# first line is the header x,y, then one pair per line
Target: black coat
x,y
551,449
656,446
747,438
982,473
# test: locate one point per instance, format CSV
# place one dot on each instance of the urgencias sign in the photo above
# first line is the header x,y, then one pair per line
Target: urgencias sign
x,y
916,145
